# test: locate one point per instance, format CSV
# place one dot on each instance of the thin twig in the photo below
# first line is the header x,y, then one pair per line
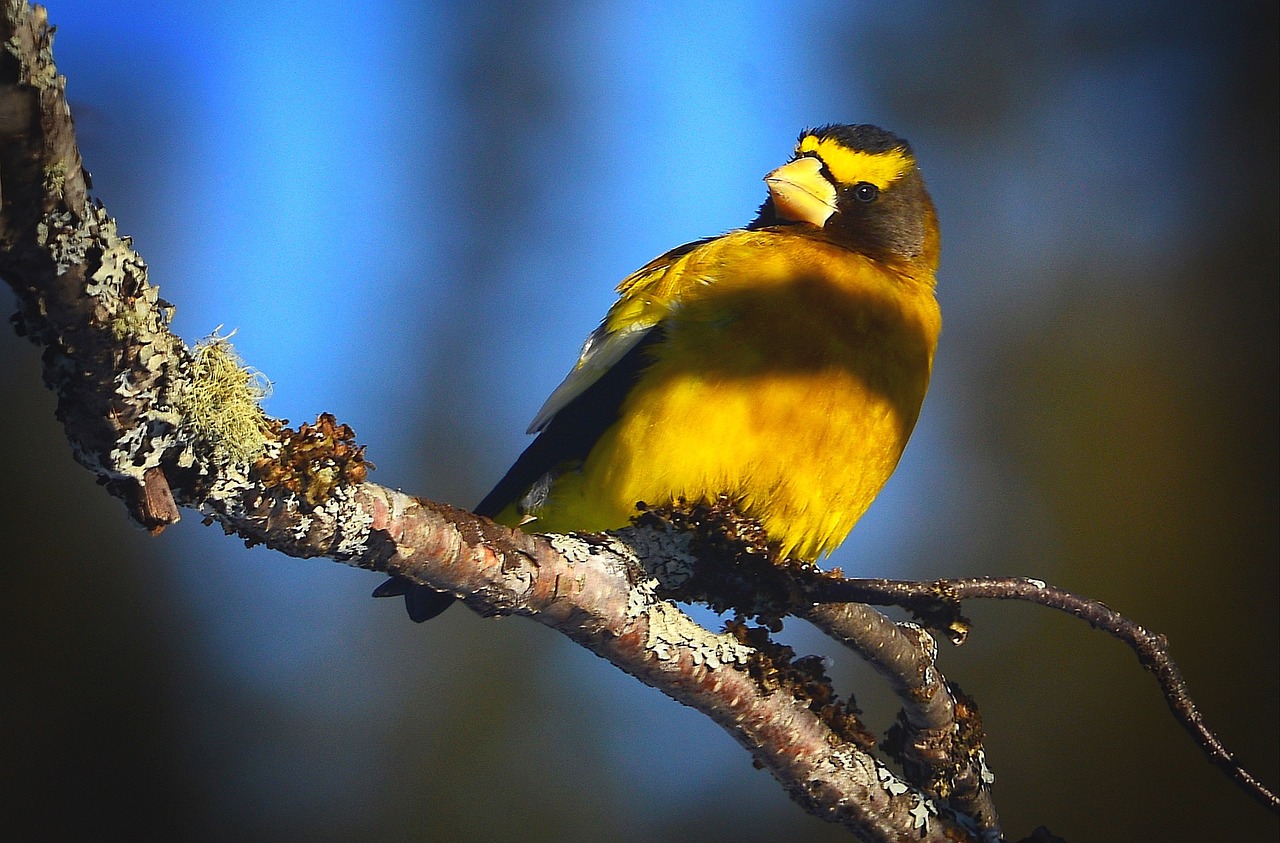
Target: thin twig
x,y
940,600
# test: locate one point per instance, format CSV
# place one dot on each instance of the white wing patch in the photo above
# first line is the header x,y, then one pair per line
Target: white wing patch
x,y
601,351
640,308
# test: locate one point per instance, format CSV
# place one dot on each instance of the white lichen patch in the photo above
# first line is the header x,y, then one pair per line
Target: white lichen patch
x,y
616,556
619,550
607,550
224,492
664,552
134,454
68,242
573,547
922,636
870,769
224,495
889,782
118,261
985,773
921,812
351,522
301,527
672,632
641,596
130,308
922,809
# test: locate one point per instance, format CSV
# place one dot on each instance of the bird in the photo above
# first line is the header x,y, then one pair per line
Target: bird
x,y
783,365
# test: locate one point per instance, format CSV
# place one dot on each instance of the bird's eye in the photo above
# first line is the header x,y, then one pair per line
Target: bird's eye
x,y
865,191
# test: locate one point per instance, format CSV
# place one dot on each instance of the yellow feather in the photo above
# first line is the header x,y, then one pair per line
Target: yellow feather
x,y
850,166
791,373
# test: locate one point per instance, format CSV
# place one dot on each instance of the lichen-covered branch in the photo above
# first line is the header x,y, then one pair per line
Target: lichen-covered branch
x,y
164,426
938,736
82,290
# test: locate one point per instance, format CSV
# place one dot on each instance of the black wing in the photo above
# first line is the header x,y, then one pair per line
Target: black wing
x,y
573,431
563,444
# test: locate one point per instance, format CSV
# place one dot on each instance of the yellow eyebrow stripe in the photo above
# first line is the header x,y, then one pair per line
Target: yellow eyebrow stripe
x,y
850,166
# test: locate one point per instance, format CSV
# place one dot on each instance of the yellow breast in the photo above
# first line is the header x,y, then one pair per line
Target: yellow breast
x,y
789,377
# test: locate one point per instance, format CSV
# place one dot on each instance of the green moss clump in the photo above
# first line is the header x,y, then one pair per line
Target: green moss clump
x,y
221,406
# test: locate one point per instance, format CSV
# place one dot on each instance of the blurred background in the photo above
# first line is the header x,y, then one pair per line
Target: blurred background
x,y
413,213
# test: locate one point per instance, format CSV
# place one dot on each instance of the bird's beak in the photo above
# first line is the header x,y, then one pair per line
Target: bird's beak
x,y
801,193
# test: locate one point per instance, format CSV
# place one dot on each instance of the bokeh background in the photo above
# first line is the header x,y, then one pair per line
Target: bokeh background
x,y
413,213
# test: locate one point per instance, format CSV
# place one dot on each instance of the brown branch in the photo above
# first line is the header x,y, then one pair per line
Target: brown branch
x,y
939,735
939,602
164,426
82,289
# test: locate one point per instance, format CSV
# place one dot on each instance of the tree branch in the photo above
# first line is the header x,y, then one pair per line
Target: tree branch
x,y
938,735
940,601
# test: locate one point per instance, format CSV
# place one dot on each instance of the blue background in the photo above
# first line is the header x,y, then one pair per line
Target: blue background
x,y
412,215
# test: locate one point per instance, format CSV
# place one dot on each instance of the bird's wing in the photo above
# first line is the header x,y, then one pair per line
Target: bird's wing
x,y
645,297
601,352
569,436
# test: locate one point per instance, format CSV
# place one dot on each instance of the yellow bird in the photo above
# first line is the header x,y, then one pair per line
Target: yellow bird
x,y
783,364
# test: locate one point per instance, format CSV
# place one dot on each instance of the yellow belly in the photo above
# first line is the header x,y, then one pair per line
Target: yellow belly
x,y
793,392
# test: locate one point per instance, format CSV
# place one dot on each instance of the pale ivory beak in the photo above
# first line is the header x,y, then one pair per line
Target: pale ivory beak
x,y
801,193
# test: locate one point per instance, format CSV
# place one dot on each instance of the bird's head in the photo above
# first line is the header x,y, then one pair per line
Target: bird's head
x,y
858,187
